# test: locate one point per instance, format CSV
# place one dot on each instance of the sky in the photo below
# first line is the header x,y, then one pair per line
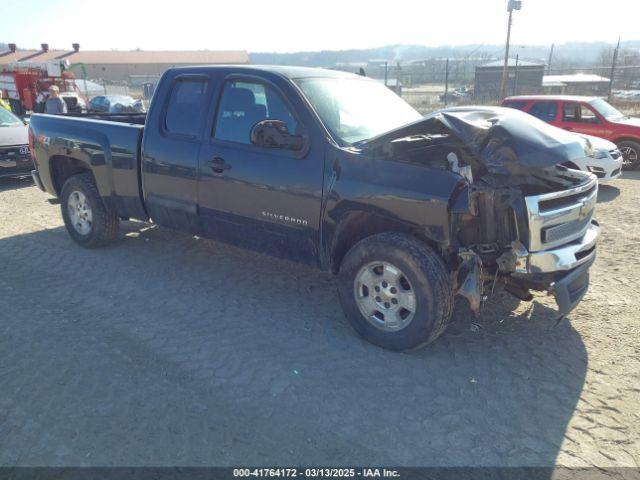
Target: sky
x,y
302,25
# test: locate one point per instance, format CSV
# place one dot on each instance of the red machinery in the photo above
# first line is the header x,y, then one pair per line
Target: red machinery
x,y
26,85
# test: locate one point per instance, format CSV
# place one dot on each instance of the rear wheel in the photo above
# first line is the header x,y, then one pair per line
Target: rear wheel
x,y
85,215
630,155
395,291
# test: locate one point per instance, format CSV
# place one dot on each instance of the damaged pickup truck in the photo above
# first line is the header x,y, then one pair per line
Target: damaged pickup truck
x,y
336,171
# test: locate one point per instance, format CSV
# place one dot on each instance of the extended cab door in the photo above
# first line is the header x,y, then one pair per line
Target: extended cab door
x,y
581,118
172,140
267,199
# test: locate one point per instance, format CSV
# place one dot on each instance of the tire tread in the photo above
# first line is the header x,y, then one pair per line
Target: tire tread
x,y
425,259
105,222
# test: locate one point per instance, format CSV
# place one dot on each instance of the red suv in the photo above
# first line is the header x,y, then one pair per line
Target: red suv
x,y
587,115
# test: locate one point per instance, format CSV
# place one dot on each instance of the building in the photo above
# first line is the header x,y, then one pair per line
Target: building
x,y
576,84
523,78
115,65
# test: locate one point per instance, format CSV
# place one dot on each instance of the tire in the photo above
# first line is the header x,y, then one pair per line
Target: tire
x,y
631,155
424,273
97,226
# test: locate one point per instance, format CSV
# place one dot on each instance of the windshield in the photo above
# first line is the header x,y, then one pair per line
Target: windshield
x,y
8,119
354,109
606,110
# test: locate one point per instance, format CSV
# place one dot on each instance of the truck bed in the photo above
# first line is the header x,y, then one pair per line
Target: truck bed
x,y
108,148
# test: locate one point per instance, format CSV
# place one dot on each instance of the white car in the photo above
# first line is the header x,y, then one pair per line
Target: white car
x,y
604,159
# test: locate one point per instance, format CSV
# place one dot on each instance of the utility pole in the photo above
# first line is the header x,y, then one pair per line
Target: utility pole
x,y
446,82
550,58
515,82
613,69
512,5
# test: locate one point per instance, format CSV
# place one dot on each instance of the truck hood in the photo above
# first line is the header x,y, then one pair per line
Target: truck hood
x,y
14,135
504,140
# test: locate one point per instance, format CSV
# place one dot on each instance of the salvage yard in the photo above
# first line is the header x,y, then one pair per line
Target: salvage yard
x,y
166,349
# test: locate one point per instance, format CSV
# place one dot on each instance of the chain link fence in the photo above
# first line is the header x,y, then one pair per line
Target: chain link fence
x,y
431,84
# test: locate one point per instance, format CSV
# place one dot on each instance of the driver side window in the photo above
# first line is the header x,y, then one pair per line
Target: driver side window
x,y
576,112
587,115
243,104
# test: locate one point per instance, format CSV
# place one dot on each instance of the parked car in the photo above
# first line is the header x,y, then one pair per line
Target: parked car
x,y
115,104
15,160
335,170
588,115
604,159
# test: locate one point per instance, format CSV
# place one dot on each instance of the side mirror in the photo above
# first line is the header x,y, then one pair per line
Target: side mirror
x,y
275,134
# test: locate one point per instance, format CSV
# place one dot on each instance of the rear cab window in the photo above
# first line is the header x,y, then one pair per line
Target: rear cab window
x,y
187,102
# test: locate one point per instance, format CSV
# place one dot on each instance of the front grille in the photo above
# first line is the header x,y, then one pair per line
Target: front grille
x,y
558,218
553,234
564,201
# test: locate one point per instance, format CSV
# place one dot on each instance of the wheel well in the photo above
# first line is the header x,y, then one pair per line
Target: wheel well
x,y
63,167
359,225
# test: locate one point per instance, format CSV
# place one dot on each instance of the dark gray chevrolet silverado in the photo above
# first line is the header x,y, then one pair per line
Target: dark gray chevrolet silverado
x,y
335,170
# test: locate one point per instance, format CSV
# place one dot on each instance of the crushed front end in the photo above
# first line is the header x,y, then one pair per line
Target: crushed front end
x,y
520,220
529,241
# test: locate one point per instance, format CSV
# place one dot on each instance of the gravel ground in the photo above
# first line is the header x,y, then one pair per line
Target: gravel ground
x,y
170,350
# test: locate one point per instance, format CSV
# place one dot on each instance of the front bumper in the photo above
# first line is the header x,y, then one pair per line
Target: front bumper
x,y
562,271
520,261
565,257
606,169
570,288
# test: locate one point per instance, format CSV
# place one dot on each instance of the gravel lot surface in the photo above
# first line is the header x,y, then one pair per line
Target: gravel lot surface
x,y
165,349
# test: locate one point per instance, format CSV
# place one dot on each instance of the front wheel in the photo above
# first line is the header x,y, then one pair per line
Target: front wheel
x,y
630,155
85,215
395,291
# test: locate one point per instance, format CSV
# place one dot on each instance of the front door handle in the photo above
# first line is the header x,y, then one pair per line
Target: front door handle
x,y
218,165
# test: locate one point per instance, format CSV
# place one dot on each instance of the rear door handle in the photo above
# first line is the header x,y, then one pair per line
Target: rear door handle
x,y
218,165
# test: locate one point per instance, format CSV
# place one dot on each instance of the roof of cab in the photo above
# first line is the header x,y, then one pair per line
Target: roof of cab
x,y
575,98
282,70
